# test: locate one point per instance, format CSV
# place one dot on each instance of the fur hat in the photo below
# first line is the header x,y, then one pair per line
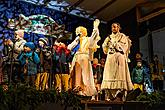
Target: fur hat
x,y
20,33
30,45
44,40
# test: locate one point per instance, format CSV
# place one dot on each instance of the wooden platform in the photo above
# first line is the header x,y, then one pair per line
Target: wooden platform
x,y
112,105
101,105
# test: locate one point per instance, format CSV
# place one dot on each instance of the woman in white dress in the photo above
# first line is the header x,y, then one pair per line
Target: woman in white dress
x,y
81,68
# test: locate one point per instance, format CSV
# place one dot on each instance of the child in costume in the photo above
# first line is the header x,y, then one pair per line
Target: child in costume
x,y
61,61
44,66
140,78
98,76
29,60
157,73
12,49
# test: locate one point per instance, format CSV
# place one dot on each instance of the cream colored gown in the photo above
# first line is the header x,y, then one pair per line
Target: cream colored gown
x,y
116,75
81,68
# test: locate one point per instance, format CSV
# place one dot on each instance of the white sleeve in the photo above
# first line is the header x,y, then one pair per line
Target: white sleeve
x,y
73,44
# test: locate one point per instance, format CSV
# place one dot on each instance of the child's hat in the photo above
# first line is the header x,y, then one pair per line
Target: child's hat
x,y
30,45
44,40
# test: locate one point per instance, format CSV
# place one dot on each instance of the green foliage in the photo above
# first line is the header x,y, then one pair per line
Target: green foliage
x,y
153,100
27,98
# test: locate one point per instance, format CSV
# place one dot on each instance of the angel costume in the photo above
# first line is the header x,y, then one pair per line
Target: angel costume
x,y
81,68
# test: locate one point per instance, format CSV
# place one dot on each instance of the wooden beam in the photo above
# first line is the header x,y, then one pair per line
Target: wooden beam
x,y
152,4
138,14
140,1
70,8
151,15
102,8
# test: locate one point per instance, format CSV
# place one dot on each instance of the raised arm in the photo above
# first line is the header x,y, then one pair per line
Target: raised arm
x,y
95,37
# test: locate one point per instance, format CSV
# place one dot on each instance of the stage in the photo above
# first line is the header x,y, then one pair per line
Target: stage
x,y
100,105
114,105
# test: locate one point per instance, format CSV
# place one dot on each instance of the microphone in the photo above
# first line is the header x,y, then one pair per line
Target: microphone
x,y
79,34
75,48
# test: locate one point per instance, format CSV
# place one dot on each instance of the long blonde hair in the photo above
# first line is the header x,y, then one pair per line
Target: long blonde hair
x,y
82,30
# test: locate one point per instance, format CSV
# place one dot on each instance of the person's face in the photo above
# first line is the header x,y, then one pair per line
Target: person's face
x,y
95,61
115,28
102,61
139,64
61,44
78,32
26,49
41,44
155,58
138,56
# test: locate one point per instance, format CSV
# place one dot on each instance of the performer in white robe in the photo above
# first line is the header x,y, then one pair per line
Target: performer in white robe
x,y
116,75
81,68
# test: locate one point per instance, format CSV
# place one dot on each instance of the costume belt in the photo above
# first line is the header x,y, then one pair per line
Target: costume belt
x,y
82,53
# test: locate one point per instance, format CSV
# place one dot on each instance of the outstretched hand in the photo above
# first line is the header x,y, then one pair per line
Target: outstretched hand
x,y
96,23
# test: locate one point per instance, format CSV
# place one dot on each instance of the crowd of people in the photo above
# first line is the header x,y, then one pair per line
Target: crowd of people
x,y
72,66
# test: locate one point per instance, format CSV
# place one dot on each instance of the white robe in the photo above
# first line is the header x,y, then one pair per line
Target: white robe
x,y
116,73
82,76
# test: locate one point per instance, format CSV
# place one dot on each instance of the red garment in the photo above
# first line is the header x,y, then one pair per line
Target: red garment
x,y
94,65
59,49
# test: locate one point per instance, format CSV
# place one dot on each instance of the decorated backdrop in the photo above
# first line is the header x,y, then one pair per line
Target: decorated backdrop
x,y
37,20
